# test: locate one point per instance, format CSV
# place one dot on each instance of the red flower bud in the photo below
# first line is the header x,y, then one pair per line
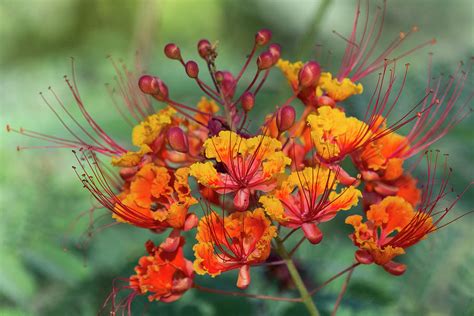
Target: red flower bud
x,y
227,83
325,100
312,233
241,199
395,268
154,86
243,280
263,37
265,60
190,222
204,48
192,69
178,140
309,74
172,51
128,173
275,50
364,257
285,118
248,101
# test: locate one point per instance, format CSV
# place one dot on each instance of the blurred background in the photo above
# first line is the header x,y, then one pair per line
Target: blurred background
x,y
50,265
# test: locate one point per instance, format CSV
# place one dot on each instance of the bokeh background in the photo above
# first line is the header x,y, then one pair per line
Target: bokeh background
x,y
49,263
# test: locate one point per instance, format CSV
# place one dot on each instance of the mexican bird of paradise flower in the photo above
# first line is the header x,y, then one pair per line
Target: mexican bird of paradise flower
x,y
307,198
393,224
287,176
237,241
245,165
163,275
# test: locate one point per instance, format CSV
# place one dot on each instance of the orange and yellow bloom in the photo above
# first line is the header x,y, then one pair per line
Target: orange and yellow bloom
x,y
237,241
307,198
165,276
246,165
266,183
392,226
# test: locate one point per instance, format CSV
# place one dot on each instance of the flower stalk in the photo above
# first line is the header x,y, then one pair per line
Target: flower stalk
x,y
296,277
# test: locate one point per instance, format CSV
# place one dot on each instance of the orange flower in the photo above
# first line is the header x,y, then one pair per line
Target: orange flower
x,y
307,198
157,198
236,241
247,165
334,135
165,275
392,226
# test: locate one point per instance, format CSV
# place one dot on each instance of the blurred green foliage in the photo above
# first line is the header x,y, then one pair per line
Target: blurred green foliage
x,y
51,266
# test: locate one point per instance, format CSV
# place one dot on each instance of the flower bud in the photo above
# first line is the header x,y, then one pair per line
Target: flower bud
x,y
309,74
171,243
190,222
275,50
172,51
243,280
128,173
192,69
204,48
263,37
285,118
227,83
395,268
312,233
325,100
177,139
265,60
241,199
248,101
364,257
154,86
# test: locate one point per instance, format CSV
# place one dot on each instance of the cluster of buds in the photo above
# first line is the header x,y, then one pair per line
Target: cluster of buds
x,y
256,186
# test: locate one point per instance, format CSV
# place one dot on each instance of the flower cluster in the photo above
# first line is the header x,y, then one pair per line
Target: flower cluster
x,y
240,189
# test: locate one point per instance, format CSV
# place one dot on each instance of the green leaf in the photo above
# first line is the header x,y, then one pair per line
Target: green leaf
x,y
16,282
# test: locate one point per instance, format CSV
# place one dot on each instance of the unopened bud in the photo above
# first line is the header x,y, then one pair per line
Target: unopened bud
x,y
395,268
248,101
312,233
265,60
128,173
263,37
190,222
172,51
192,69
243,280
154,86
227,83
178,140
241,199
309,74
275,50
285,118
204,48
325,100
363,256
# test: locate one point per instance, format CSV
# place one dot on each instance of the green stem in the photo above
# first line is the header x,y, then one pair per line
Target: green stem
x,y
305,296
